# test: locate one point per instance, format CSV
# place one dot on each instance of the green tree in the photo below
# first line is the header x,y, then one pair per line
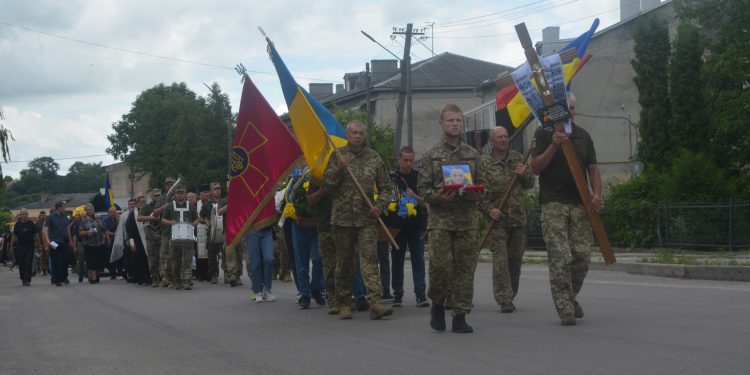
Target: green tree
x,y
689,123
45,166
84,177
380,138
652,51
171,130
726,77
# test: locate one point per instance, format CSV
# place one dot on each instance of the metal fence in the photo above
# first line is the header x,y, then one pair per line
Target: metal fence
x,y
683,225
704,225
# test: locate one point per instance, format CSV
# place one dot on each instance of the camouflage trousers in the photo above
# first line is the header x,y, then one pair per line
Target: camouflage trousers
x,y
351,242
507,246
153,245
283,264
453,260
232,264
327,249
42,262
213,250
166,259
567,234
182,256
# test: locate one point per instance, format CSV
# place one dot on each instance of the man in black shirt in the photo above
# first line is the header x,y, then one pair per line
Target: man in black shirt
x,y
22,242
412,232
56,240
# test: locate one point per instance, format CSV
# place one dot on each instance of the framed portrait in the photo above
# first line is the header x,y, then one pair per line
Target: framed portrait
x,y
459,174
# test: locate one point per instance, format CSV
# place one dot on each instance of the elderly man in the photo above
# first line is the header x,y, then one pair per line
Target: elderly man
x,y
508,237
353,221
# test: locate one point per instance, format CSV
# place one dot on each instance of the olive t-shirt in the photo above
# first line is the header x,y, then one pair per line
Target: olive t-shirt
x,y
556,183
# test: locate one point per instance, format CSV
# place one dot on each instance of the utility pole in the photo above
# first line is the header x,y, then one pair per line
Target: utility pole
x,y
368,83
405,92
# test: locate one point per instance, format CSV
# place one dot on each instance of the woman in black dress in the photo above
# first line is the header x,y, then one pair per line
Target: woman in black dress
x,y
135,244
95,241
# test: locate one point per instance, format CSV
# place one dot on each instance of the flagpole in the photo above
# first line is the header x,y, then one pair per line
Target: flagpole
x,y
362,191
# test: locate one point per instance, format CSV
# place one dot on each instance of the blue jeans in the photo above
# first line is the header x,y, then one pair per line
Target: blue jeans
x,y
59,262
260,258
412,238
306,248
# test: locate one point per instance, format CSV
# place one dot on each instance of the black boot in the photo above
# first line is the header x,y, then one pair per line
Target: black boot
x,y
460,326
437,317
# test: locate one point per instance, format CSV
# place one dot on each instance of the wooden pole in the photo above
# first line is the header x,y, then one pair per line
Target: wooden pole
x,y
500,206
567,147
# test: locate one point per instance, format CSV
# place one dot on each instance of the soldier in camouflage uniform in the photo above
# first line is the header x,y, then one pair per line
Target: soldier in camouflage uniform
x,y
320,199
565,226
453,224
182,253
42,259
165,231
508,238
353,221
153,235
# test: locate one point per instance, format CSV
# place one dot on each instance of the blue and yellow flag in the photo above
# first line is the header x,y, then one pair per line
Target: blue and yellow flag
x,y
512,110
108,196
310,119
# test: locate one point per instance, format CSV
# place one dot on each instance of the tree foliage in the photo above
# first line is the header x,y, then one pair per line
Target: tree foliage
x,y
688,124
171,130
380,138
652,51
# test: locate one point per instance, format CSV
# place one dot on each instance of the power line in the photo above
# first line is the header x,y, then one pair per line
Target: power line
x,y
463,21
511,17
70,158
168,58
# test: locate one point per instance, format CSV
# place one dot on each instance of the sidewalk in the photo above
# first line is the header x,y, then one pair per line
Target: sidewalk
x,y
723,266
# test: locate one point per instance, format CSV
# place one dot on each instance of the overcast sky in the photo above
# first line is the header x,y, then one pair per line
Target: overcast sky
x,y
71,68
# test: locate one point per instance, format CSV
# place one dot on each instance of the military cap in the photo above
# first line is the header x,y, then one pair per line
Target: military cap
x,y
180,187
204,187
169,179
215,185
155,192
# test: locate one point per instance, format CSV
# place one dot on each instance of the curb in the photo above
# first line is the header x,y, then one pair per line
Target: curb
x,y
718,273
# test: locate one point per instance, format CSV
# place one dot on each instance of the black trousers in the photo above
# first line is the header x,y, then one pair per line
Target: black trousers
x,y
25,260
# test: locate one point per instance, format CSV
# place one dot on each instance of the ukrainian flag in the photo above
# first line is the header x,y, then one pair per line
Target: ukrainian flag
x,y
310,119
108,196
512,109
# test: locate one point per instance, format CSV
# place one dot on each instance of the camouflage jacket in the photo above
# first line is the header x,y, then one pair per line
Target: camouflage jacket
x,y
499,173
460,213
349,209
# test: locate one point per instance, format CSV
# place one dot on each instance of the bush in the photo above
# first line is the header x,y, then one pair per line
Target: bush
x,y
629,213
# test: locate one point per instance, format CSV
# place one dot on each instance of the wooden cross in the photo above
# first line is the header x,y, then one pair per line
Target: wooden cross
x,y
567,147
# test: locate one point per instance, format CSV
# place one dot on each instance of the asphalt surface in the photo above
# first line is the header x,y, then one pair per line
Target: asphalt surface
x,y
632,325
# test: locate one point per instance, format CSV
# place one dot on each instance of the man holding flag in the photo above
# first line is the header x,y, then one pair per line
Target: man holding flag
x,y
264,152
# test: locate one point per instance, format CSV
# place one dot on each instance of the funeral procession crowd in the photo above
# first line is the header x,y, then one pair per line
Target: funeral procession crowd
x,y
326,237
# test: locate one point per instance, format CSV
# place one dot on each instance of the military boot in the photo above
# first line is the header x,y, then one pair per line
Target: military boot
x,y
437,317
578,311
333,309
568,319
460,325
177,284
345,312
378,311
214,280
187,285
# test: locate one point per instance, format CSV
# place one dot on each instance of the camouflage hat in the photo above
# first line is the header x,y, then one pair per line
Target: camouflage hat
x,y
204,187
155,192
180,187
169,179
215,185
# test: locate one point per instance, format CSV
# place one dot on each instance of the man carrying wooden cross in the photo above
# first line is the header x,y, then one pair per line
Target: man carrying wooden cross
x,y
565,226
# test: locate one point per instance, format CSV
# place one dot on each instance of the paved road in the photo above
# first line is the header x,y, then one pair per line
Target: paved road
x,y
633,325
